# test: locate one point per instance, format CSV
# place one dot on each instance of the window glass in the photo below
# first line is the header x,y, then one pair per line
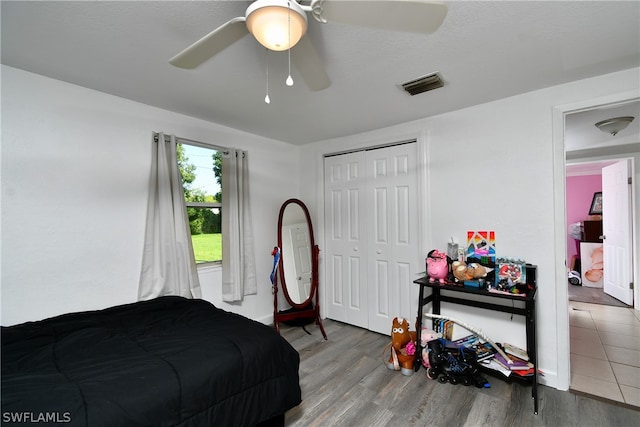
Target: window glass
x,y
201,171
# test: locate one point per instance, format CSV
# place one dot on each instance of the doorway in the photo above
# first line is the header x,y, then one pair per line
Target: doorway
x,y
599,333
584,180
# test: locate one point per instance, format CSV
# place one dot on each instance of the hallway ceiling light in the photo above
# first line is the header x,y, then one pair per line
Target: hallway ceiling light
x,y
614,125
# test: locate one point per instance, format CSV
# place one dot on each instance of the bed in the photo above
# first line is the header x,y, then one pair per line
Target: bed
x,y
170,361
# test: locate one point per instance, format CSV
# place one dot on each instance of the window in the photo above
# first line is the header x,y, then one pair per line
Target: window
x,y
201,171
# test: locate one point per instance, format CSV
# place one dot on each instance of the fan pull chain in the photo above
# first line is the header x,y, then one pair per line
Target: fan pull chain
x,y
289,80
266,60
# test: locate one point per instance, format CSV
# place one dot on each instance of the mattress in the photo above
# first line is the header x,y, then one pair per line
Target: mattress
x,y
170,361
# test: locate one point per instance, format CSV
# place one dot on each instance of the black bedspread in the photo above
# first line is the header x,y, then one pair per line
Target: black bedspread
x,y
166,362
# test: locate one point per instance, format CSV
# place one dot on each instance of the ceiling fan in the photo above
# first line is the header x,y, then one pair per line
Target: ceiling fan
x,y
282,24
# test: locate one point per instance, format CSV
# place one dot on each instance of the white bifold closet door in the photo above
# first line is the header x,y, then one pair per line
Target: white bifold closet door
x,y
371,256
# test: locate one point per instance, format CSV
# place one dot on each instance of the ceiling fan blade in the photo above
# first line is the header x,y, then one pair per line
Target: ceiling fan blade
x,y
414,16
209,45
308,63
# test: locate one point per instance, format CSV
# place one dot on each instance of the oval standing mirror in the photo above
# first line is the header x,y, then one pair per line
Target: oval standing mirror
x,y
295,239
298,267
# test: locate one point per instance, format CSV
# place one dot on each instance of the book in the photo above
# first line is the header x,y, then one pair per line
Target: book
x,y
444,328
484,350
516,365
515,351
447,330
495,366
527,373
524,372
467,341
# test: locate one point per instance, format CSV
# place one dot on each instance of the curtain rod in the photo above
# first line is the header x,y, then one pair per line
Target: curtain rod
x,y
375,147
167,138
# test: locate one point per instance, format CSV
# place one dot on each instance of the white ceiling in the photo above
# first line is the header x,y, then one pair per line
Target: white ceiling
x,y
484,51
582,134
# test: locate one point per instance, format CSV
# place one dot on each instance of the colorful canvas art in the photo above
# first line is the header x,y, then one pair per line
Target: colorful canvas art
x,y
482,245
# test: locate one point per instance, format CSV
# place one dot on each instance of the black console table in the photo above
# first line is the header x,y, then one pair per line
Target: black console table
x,y
529,312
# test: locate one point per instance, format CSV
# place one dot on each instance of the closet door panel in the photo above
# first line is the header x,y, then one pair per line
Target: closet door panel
x,y
355,287
391,179
345,239
405,216
381,286
335,284
371,236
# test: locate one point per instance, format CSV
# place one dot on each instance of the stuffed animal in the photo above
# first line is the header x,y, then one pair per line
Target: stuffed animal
x,y
402,347
462,271
437,266
426,335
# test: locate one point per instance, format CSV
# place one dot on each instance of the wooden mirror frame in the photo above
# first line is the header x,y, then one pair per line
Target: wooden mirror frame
x,y
306,311
314,256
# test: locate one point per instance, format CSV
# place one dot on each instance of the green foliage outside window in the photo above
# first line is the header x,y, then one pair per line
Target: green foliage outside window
x,y
204,222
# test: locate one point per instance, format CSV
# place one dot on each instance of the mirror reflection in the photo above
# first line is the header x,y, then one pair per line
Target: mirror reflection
x,y
296,253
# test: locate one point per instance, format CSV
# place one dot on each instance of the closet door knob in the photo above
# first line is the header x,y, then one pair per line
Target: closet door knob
x,y
378,252
355,249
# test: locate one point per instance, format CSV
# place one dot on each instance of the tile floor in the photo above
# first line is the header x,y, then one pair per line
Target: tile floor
x,y
605,351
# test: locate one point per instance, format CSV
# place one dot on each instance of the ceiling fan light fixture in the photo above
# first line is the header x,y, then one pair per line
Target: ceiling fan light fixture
x,y
269,20
614,125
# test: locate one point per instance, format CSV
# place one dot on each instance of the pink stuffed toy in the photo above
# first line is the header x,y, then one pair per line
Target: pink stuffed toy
x,y
426,335
437,266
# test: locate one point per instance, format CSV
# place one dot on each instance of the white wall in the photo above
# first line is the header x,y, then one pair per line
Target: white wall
x,y
493,167
75,167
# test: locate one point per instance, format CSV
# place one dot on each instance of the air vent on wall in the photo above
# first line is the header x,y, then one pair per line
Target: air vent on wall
x,y
423,84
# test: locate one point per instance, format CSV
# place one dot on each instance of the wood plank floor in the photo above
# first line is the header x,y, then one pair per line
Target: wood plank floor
x,y
345,383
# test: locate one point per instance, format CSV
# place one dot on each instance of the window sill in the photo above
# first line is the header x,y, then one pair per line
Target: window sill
x,y
209,266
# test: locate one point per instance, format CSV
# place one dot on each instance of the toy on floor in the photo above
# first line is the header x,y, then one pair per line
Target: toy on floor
x,y
455,364
402,347
574,278
426,335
